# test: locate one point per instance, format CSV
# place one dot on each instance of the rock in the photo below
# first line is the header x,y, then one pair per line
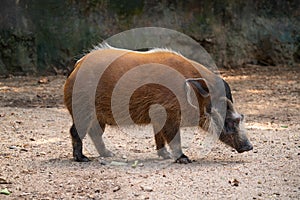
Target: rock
x,y
117,188
103,162
3,70
24,150
141,164
263,32
147,188
234,182
44,80
3,181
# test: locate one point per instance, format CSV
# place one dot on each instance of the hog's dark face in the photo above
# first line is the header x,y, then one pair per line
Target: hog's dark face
x,y
233,133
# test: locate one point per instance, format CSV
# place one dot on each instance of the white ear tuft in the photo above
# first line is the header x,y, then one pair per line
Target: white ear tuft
x,y
188,87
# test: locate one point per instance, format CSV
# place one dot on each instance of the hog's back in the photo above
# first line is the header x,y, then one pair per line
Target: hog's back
x,y
143,97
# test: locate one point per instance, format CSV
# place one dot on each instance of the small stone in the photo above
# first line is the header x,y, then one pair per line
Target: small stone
x,y
40,154
234,182
144,197
3,181
147,188
12,147
141,165
103,162
44,80
259,194
117,188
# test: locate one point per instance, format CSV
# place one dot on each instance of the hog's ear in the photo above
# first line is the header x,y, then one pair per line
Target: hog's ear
x,y
200,85
227,91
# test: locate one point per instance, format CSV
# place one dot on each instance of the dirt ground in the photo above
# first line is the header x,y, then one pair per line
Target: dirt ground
x,y
36,157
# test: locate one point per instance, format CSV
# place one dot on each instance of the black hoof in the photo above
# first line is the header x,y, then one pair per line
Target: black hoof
x,y
81,158
183,159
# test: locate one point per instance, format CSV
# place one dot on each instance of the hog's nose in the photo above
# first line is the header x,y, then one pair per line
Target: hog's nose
x,y
247,147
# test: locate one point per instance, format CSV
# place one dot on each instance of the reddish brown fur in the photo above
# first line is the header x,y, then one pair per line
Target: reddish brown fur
x,y
142,97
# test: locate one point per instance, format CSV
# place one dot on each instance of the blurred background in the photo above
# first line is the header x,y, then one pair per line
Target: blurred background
x,y
47,37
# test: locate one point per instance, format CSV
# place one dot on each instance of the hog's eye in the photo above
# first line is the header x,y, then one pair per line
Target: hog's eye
x,y
230,124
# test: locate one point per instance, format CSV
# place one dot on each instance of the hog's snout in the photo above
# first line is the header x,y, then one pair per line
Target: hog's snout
x,y
246,147
233,133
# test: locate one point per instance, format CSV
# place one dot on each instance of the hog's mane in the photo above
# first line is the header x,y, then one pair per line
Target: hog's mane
x,y
104,46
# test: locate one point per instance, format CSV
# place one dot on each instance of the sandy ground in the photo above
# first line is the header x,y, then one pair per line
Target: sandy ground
x,y
36,158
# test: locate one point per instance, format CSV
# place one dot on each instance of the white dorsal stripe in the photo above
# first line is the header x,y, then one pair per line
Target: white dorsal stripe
x,y
104,46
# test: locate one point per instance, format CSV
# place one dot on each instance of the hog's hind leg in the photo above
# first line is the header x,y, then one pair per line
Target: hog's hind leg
x,y
160,145
96,131
77,146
